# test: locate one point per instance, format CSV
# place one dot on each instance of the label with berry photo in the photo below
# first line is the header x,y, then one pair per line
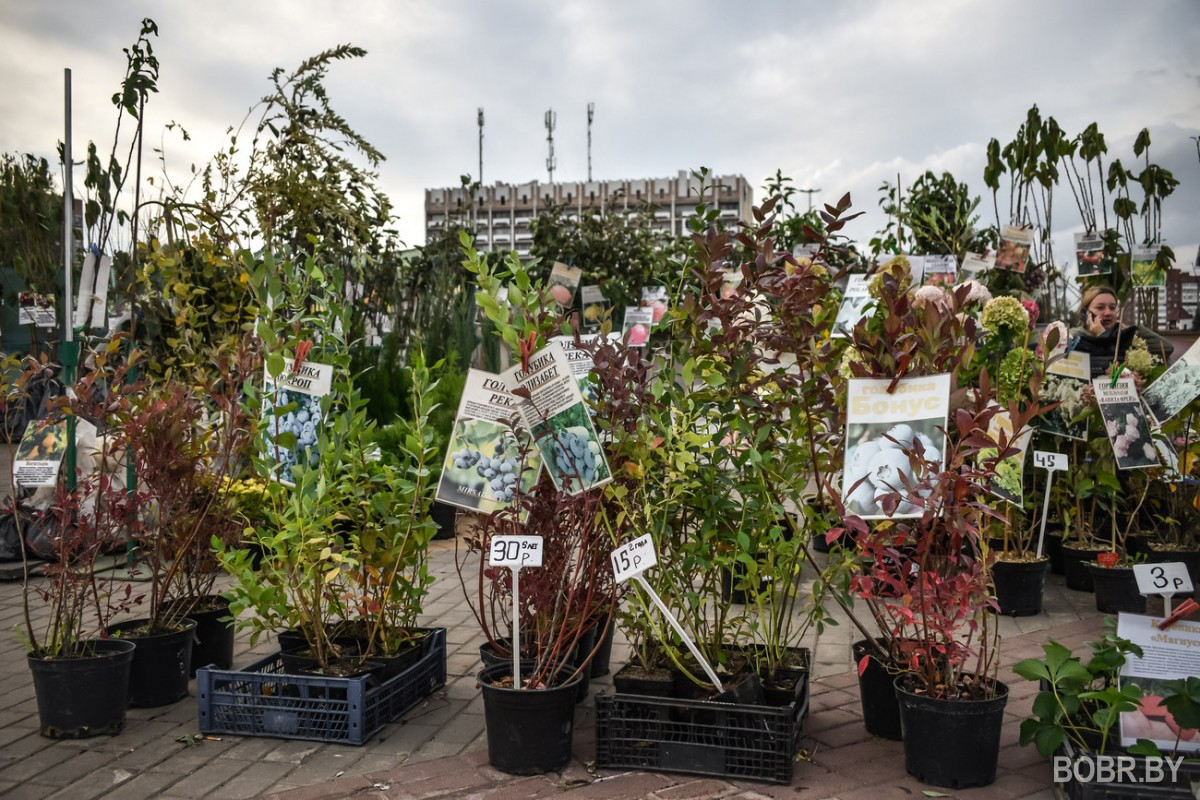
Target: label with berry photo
x,y
491,461
292,413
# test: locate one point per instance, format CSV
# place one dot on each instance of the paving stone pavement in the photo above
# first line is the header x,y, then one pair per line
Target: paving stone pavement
x,y
439,749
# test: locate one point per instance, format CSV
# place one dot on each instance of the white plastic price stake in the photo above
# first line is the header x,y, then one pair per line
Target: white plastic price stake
x,y
633,558
1164,579
1050,461
515,552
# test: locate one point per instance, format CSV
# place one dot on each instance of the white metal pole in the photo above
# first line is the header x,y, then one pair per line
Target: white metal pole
x,y
68,212
712,675
516,628
1045,511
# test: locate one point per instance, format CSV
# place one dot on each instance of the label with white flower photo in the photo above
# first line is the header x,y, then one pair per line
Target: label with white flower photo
x,y
1013,252
563,282
1176,387
854,305
884,431
1125,423
292,415
491,459
1064,382
1009,481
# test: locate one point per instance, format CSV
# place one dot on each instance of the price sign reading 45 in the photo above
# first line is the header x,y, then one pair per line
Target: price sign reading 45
x,y
515,551
633,558
1051,461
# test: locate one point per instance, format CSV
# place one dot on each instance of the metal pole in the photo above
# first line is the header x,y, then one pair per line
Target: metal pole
x,y
480,119
591,114
69,348
551,163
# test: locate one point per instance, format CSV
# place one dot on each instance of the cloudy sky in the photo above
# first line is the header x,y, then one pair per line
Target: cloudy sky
x,y
840,96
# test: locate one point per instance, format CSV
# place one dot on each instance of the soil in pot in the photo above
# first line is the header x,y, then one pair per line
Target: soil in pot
x,y
86,695
529,731
1020,581
1116,590
213,644
951,743
1159,553
633,679
877,693
158,675
1075,564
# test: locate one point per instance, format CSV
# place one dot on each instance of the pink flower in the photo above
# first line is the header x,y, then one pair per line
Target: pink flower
x,y
1031,308
929,295
978,292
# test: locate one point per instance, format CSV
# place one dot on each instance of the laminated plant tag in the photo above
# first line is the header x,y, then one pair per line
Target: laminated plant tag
x,y
940,270
978,262
581,361
99,310
1175,388
1170,655
559,420
854,305
638,323
656,299
563,282
1013,252
36,309
40,453
596,308
880,426
490,459
292,415
1144,266
1064,383
1008,483
1125,423
1089,255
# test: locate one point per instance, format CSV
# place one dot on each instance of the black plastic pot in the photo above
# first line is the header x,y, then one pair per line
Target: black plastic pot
x,y
529,731
1019,586
1052,546
601,663
952,743
659,683
1116,590
1189,557
214,639
445,516
158,675
745,689
877,693
86,696
1075,565
398,662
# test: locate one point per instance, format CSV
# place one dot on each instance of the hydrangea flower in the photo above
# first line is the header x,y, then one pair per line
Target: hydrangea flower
x,y
928,295
1005,315
899,269
1034,312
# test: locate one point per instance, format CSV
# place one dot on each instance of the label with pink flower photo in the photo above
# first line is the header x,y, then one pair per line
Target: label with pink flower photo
x,y
656,299
1013,252
563,282
1125,423
638,323
940,270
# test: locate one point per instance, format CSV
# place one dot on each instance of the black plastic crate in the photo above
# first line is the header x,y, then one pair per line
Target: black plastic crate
x,y
1189,776
699,737
261,700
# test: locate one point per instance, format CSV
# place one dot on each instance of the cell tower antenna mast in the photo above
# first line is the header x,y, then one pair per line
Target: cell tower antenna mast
x,y
551,162
591,115
480,120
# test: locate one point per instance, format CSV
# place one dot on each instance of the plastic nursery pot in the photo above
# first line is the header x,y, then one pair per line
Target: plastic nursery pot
x,y
1053,548
1159,555
213,644
952,743
1019,586
877,693
606,628
158,675
86,695
632,679
445,516
1075,565
1116,590
529,731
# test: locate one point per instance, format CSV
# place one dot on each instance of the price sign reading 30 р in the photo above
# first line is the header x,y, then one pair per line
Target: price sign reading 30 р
x,y
515,551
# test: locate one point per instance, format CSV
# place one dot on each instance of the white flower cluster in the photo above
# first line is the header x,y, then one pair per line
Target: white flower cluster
x,y
883,462
1126,439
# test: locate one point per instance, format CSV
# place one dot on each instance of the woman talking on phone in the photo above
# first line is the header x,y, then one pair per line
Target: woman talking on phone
x,y
1101,334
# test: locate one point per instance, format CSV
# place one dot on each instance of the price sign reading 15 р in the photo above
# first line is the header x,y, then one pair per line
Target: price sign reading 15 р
x,y
515,551
633,558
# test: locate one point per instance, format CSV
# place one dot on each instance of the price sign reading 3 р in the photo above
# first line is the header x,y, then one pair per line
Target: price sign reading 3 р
x,y
1166,578
633,558
515,551
1050,461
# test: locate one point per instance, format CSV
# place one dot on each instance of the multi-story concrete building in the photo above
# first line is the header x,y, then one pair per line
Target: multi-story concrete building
x,y
503,212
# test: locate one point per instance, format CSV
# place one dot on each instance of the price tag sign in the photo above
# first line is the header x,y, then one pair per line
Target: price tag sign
x,y
515,551
633,558
1162,579
1050,461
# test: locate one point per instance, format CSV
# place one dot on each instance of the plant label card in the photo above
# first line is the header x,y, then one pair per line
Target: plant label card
x,y
638,323
1145,269
880,427
656,299
808,251
1051,462
563,282
596,308
1170,655
292,415
83,297
854,305
559,421
940,270
40,453
581,360
633,558
1175,388
1169,458
516,552
1125,423
978,262
489,463
1064,383
1013,252
1009,481
99,311
36,309
1089,255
